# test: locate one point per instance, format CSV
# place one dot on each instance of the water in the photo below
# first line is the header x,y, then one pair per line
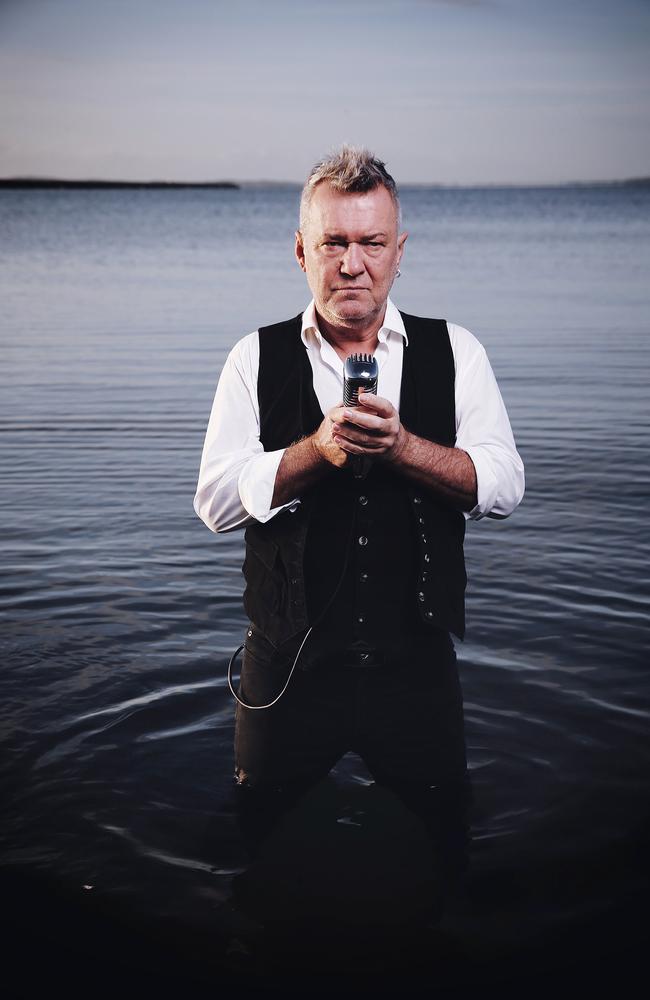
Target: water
x,y
120,609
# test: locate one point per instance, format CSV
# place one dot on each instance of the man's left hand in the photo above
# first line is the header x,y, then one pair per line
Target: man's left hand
x,y
372,428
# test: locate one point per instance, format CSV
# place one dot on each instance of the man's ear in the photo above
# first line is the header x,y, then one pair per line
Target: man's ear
x,y
401,240
300,250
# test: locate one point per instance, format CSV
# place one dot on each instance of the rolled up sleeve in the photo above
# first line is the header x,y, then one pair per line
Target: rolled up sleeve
x,y
257,482
483,431
236,477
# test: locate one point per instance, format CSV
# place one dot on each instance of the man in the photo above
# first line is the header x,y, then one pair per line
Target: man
x,y
355,583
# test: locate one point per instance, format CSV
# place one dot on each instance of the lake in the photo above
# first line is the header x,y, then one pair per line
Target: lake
x,y
120,610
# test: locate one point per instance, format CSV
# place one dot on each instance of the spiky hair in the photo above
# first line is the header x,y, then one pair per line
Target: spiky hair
x,y
349,169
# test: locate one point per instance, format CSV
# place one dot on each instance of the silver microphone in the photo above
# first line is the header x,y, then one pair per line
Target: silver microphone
x,y
360,371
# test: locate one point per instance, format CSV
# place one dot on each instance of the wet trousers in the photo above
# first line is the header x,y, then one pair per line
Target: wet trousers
x,y
401,712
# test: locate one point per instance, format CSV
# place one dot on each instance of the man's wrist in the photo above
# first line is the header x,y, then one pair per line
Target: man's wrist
x,y
316,454
396,453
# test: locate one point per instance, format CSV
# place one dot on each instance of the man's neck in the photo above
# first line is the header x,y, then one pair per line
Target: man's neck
x,y
352,338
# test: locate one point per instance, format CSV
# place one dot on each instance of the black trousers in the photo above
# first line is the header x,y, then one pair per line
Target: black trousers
x,y
401,712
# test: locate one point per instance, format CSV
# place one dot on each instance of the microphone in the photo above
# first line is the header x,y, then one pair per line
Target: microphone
x,y
360,371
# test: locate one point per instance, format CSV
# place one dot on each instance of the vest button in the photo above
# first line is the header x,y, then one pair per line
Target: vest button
x,y
363,577
420,596
424,576
417,499
363,501
424,538
363,540
429,614
427,557
361,619
421,520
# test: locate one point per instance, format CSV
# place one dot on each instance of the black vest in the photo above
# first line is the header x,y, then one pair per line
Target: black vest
x,y
367,558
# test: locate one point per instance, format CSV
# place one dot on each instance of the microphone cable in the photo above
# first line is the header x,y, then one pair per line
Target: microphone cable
x,y
256,708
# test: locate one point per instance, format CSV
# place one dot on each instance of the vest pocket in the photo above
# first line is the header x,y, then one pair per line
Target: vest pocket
x,y
257,646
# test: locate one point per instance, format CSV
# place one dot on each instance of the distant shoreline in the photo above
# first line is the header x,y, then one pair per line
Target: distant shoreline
x,y
49,183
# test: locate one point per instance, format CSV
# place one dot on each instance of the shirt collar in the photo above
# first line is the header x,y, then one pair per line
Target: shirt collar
x,y
393,323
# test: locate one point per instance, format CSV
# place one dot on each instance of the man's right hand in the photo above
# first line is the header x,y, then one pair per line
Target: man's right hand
x,y
324,442
308,460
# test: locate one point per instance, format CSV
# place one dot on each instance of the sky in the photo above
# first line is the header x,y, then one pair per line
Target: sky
x,y
445,91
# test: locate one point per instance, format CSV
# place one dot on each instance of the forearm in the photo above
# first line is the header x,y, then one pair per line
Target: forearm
x,y
301,466
449,472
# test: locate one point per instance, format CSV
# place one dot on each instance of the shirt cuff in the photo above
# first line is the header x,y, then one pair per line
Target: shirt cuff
x,y
487,484
257,482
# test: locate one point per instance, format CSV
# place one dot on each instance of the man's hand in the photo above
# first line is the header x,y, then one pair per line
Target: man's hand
x,y
372,428
307,461
324,441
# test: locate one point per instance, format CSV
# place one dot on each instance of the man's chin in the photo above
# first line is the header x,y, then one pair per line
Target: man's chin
x,y
353,309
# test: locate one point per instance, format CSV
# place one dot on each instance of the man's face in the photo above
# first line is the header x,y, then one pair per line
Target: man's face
x,y
350,251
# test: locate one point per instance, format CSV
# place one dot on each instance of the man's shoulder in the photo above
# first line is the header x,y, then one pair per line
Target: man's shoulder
x,y
466,348
245,353
288,327
455,331
280,343
245,348
464,344
410,317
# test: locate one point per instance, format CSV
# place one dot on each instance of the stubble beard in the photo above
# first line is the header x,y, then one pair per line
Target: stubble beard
x,y
358,317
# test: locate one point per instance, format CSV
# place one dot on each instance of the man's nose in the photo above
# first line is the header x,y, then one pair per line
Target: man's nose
x,y
352,262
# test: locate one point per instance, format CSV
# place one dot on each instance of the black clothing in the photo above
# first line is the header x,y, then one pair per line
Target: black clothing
x,y
295,561
376,567
402,714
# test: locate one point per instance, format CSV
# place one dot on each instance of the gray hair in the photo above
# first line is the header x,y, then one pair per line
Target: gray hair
x,y
349,169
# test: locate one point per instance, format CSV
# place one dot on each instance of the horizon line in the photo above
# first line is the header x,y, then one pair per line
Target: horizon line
x,y
44,181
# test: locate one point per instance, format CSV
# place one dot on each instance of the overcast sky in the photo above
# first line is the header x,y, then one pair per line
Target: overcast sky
x,y
446,91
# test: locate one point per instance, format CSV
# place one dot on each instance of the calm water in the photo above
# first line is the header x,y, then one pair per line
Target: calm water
x,y
120,609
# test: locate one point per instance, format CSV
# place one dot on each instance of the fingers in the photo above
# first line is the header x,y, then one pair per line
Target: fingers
x,y
371,429
372,410
366,421
376,436
376,404
360,445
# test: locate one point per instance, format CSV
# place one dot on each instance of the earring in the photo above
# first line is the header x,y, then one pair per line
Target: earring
x,y
397,273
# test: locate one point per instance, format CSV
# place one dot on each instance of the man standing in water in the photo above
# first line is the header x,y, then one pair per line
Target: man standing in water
x,y
357,583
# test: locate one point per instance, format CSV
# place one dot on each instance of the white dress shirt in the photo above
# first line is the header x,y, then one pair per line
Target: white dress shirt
x,y
237,476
